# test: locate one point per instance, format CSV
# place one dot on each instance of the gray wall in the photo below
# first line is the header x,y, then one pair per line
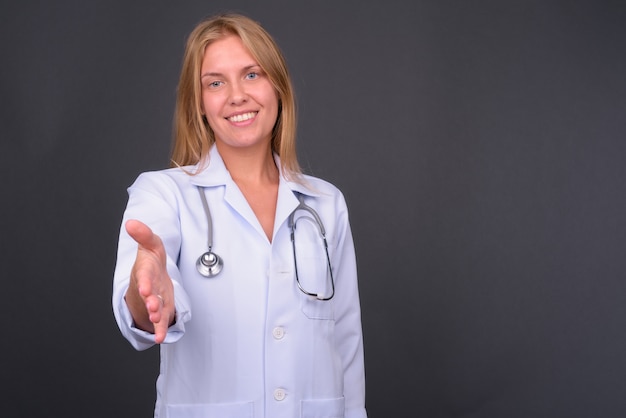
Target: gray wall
x,y
480,146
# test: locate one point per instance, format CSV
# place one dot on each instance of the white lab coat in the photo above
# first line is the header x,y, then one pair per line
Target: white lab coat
x,y
248,343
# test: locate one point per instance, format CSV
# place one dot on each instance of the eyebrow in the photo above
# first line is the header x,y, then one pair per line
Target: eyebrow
x,y
217,74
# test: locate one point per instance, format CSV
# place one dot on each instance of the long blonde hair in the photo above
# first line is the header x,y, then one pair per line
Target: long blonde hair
x,y
192,134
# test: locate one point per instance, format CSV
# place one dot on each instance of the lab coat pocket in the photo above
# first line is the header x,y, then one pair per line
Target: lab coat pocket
x,y
314,308
323,408
225,410
313,279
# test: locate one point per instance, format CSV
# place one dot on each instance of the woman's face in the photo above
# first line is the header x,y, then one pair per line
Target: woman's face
x,y
238,98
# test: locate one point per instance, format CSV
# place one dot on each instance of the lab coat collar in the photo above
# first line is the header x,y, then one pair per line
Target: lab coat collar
x,y
216,174
211,172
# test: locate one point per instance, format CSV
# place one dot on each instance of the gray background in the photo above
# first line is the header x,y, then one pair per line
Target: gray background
x,y
480,146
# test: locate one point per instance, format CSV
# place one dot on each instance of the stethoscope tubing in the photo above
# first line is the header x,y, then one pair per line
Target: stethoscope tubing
x,y
210,264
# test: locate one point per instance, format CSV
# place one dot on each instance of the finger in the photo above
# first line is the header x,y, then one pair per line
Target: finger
x,y
146,271
154,306
159,317
160,331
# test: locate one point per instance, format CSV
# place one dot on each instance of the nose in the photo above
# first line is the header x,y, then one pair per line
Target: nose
x,y
237,94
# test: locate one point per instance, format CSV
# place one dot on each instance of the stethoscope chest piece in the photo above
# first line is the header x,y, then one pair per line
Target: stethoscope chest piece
x,y
209,264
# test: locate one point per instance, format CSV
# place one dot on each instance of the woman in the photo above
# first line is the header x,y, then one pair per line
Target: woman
x,y
274,330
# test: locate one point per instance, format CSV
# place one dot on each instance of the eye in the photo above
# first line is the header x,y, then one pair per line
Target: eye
x,y
252,75
215,84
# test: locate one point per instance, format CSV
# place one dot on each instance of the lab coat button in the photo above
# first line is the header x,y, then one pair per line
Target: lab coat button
x,y
279,394
278,333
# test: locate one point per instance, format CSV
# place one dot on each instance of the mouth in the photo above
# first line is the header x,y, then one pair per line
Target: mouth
x,y
242,117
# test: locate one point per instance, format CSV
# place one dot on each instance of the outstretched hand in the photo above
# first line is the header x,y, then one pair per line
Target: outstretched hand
x,y
150,296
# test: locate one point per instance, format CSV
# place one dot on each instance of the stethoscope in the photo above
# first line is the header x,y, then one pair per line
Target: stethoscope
x,y
210,264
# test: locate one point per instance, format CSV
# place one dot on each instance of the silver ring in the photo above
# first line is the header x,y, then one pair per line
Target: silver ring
x,y
161,299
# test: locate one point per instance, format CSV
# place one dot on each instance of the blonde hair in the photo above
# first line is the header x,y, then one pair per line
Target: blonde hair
x,y
192,134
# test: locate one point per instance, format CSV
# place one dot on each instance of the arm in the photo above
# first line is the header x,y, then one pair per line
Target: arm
x,y
348,327
146,265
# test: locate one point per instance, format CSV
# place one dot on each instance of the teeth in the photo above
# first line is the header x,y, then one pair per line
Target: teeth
x,y
242,117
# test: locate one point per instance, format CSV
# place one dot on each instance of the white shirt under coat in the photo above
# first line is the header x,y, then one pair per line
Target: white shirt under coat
x,y
247,343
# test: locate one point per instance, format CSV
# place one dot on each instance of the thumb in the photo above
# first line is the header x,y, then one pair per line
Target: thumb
x,y
143,235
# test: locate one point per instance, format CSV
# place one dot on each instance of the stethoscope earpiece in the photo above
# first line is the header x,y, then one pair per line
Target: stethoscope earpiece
x,y
209,264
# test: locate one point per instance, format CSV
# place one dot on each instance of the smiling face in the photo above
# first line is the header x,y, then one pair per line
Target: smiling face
x,y
238,99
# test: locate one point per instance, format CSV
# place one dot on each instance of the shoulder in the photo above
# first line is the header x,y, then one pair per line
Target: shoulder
x,y
329,202
316,187
163,182
323,191
168,175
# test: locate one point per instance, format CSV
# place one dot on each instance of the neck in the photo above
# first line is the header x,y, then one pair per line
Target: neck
x,y
249,165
